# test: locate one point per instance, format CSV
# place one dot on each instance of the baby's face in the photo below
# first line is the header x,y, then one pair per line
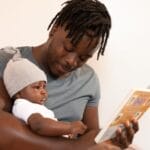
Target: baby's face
x,y
35,92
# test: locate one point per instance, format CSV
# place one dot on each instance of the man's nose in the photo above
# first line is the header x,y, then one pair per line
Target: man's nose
x,y
72,61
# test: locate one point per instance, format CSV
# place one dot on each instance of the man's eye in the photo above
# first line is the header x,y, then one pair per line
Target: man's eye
x,y
83,58
68,50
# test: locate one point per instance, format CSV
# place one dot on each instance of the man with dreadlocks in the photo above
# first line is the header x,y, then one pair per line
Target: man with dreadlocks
x,y
75,34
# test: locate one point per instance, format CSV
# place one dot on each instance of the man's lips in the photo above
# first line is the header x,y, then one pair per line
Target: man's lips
x,y
62,69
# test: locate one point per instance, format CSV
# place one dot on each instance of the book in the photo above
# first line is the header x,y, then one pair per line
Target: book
x,y
134,105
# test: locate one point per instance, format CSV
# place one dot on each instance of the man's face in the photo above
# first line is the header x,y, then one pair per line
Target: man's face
x,y
63,57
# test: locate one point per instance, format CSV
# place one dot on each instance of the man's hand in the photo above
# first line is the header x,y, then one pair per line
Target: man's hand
x,y
124,137
104,146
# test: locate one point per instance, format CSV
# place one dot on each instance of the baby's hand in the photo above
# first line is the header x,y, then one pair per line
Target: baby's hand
x,y
77,128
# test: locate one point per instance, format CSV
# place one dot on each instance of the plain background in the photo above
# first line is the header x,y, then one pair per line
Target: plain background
x,y
126,63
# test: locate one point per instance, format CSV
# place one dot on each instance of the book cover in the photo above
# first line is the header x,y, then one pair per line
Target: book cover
x,y
134,106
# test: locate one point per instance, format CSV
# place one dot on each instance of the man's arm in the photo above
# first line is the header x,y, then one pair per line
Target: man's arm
x,y
16,135
5,102
90,118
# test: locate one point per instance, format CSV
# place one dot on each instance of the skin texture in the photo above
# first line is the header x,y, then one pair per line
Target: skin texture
x,y
59,57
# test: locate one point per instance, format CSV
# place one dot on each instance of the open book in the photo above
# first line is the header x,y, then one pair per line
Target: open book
x,y
134,106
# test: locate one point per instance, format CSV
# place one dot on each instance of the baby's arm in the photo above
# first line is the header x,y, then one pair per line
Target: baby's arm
x,y
50,127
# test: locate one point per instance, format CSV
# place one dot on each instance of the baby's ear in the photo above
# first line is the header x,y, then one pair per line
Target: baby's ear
x,y
17,95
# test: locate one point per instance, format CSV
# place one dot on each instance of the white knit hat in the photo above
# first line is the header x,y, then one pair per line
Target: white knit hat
x,y
19,73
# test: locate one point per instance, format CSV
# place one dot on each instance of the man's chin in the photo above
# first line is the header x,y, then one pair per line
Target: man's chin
x,y
64,75
54,75
59,76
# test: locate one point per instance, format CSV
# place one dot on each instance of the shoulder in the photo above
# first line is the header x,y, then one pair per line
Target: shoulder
x,y
21,105
89,78
85,76
25,51
24,48
21,102
87,68
4,58
86,72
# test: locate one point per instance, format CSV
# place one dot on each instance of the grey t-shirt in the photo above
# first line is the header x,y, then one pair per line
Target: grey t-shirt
x,y
67,97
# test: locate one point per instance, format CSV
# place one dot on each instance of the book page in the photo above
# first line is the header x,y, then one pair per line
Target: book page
x,y
134,106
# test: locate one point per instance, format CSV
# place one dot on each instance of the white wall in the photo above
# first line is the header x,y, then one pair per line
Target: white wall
x,y
126,61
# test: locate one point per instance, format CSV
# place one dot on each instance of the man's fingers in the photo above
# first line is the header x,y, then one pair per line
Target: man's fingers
x,y
129,131
135,125
122,138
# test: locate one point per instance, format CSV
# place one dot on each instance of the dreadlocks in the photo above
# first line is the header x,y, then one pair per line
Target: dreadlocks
x,y
81,16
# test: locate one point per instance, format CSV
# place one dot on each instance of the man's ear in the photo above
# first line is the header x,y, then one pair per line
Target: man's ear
x,y
53,30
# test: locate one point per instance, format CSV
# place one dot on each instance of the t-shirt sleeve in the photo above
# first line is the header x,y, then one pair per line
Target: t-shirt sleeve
x,y
24,109
95,91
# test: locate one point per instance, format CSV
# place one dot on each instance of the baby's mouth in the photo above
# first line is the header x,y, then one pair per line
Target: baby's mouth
x,y
43,100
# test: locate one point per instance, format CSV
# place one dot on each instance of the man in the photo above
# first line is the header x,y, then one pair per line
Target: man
x,y
75,34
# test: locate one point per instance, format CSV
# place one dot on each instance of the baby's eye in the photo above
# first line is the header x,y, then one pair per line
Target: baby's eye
x,y
37,87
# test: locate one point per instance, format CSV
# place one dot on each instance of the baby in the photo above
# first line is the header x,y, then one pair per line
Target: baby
x,y
26,85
